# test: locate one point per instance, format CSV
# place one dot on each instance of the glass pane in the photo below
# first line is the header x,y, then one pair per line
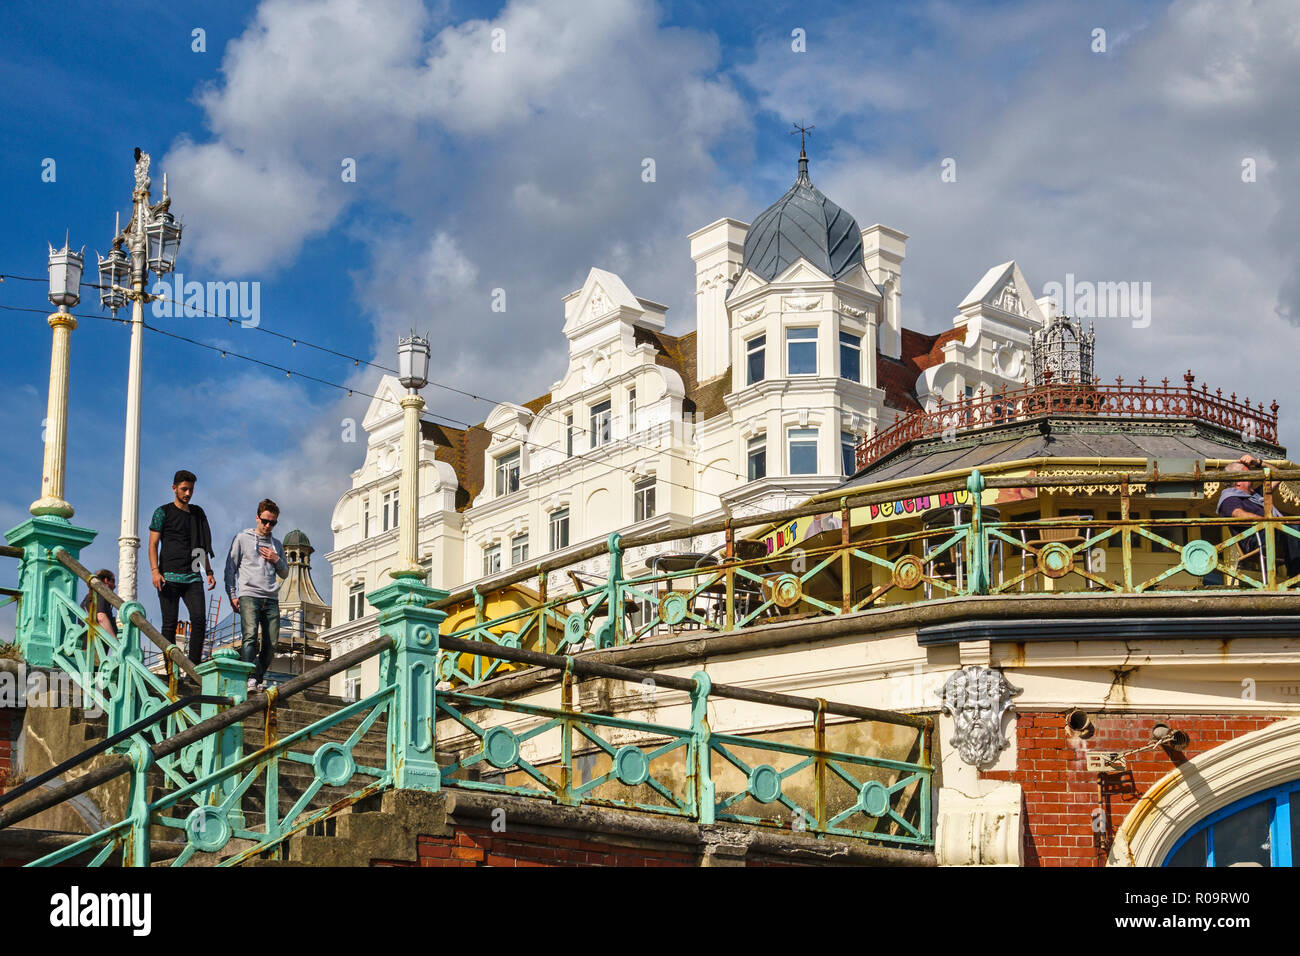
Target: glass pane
x,y
801,351
850,364
1244,837
803,451
1191,853
756,367
758,464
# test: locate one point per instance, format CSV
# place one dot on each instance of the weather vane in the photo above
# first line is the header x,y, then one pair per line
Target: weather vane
x,y
803,131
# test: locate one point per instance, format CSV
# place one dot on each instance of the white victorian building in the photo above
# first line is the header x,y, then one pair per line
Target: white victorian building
x,y
798,353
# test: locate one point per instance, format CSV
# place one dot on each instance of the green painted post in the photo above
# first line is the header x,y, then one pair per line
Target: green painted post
x,y
138,848
977,540
224,675
40,577
704,795
609,633
124,707
412,666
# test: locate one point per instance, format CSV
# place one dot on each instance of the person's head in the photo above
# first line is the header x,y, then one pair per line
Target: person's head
x,y
268,514
107,578
183,485
1238,466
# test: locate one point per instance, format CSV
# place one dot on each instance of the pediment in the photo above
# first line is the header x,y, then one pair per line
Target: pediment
x,y
385,406
748,282
1005,289
802,271
602,294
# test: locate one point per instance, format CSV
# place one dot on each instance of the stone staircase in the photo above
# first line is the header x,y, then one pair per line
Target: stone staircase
x,y
295,777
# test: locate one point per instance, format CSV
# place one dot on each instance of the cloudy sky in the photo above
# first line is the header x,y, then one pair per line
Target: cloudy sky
x,y
501,146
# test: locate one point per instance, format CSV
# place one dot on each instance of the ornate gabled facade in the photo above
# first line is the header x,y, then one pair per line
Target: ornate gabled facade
x,y
798,353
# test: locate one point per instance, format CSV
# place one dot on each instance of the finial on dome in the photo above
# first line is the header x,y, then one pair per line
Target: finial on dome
x,y
803,131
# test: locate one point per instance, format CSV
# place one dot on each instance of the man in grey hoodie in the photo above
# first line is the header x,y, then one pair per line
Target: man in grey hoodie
x,y
255,562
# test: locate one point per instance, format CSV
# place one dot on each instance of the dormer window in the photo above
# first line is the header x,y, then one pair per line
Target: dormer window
x,y
507,473
801,351
601,419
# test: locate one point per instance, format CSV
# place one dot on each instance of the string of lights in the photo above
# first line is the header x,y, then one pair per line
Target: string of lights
x,y
290,373
357,362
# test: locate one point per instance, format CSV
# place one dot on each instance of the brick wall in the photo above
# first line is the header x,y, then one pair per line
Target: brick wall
x,y
1061,794
472,846
10,724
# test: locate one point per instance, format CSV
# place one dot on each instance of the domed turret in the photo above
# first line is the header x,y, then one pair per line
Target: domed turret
x,y
803,224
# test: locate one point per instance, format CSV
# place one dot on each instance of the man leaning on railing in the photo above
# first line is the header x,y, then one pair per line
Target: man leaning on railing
x,y
1241,500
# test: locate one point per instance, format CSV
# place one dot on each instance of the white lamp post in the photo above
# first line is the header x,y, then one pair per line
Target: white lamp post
x,y
413,373
153,238
65,293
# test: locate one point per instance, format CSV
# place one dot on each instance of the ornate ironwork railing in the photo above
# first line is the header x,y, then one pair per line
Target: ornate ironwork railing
x,y
826,790
1115,401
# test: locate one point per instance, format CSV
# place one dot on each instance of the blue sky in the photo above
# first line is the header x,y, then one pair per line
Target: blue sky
x,y
521,169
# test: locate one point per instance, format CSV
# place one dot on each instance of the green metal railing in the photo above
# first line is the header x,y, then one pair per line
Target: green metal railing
x,y
662,768
975,556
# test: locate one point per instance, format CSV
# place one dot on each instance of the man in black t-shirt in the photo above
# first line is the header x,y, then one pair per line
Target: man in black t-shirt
x,y
179,537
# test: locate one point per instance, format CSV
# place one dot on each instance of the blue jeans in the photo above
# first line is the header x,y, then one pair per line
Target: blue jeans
x,y
254,611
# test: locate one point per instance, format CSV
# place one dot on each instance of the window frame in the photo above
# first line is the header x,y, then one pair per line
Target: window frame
x,y
391,505
854,346
601,416
553,520
491,560
643,498
792,339
849,446
756,446
515,557
356,602
789,448
502,471
758,351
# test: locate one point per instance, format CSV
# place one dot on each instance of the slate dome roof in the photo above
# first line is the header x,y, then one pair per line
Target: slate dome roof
x,y
296,539
803,224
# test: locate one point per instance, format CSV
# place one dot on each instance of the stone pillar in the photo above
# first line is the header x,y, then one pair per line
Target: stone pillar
x,y
40,578
408,558
56,422
411,666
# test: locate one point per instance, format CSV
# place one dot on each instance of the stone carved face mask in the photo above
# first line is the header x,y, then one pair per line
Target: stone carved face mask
x,y
976,698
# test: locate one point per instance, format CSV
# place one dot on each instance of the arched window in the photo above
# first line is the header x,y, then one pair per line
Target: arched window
x,y
1258,830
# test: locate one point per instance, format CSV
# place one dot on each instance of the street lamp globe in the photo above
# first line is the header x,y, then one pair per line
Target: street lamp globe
x,y
65,276
114,275
413,362
164,234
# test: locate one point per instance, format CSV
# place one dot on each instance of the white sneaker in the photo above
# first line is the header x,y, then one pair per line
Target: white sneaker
x,y
252,684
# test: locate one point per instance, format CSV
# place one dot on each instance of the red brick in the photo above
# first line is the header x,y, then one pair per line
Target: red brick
x,y
495,860
466,853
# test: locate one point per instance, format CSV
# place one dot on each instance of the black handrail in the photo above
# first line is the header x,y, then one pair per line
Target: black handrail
x,y
103,745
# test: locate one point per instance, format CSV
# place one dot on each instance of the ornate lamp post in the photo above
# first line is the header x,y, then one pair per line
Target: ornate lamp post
x,y
65,293
153,237
41,576
413,373
403,604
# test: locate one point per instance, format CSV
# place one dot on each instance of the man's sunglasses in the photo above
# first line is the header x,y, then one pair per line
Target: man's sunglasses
x,y
270,524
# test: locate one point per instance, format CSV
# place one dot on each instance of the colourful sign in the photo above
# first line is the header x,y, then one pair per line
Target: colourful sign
x,y
800,529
